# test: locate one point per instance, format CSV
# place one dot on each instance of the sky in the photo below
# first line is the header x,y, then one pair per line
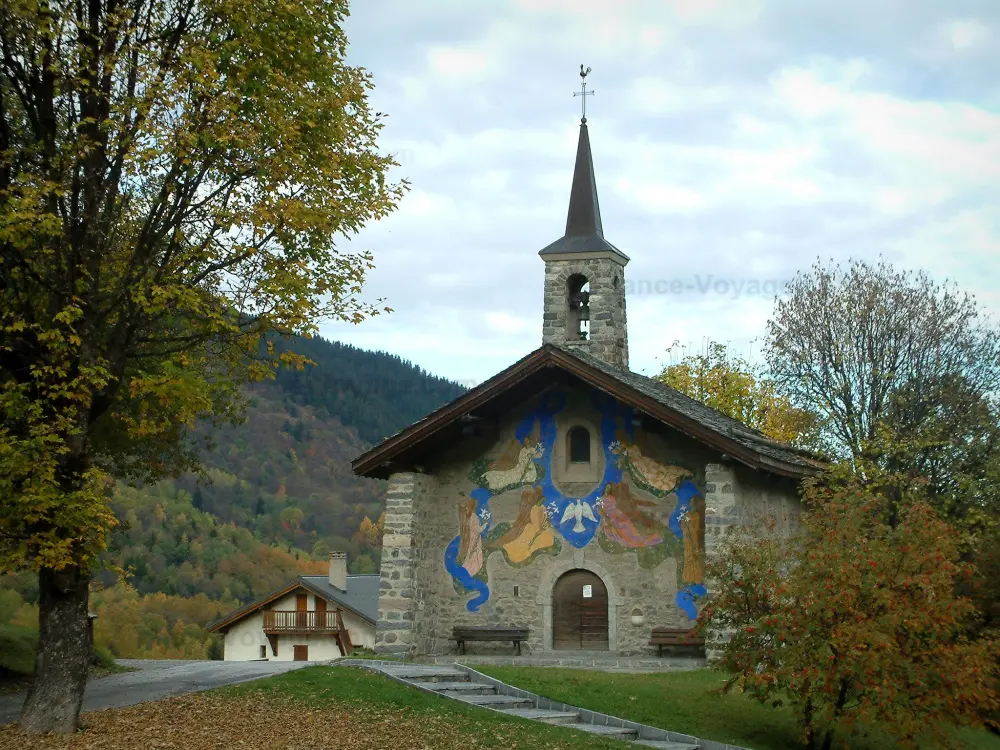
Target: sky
x,y
735,143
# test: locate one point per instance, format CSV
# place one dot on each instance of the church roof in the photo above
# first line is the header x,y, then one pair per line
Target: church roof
x,y
661,402
584,232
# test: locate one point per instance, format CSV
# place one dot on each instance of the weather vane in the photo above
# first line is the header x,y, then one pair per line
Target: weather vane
x,y
583,93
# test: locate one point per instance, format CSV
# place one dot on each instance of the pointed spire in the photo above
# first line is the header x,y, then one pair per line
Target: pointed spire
x,y
584,231
584,216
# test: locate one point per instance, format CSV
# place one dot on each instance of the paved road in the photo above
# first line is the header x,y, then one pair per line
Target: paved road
x,y
160,679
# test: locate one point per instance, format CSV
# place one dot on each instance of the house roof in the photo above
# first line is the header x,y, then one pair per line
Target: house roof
x,y
361,598
584,231
660,401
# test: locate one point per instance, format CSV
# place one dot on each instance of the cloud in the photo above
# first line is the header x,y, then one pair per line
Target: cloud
x,y
967,33
734,140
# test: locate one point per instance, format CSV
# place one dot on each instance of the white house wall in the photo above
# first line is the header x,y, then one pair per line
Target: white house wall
x,y
245,637
362,634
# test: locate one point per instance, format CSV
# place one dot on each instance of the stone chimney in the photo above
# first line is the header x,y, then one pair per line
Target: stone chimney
x,y
338,570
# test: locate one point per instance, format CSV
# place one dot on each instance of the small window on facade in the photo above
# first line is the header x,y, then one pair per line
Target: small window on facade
x,y
517,590
263,652
579,445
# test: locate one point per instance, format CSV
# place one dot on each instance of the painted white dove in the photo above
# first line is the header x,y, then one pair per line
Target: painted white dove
x,y
578,511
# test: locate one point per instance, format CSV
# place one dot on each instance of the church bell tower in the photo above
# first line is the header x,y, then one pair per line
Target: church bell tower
x,y
584,307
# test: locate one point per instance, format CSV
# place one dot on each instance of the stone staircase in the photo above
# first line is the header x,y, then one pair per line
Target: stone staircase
x,y
460,682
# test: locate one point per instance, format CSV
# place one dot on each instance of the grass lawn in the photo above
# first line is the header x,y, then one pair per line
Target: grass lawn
x,y
334,708
688,702
17,658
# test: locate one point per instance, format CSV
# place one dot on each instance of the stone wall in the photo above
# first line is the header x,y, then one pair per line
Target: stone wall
x,y
406,494
608,331
421,601
737,497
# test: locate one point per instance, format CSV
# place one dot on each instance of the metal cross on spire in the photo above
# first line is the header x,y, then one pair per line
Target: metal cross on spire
x,y
583,93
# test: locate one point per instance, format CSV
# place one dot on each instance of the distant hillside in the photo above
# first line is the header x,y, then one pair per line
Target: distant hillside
x,y
374,392
282,496
285,475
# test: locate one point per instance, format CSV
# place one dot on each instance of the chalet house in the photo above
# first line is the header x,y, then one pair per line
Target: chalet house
x,y
313,618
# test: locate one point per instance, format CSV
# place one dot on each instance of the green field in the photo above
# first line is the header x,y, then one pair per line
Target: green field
x,y
689,702
17,654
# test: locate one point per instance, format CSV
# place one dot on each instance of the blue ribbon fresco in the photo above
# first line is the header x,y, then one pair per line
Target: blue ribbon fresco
x,y
482,497
687,596
575,518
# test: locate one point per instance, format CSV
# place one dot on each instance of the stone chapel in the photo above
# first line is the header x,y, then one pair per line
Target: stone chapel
x,y
567,494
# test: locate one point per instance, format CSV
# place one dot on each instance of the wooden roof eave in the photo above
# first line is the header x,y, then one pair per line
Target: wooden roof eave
x,y
682,423
368,463
223,623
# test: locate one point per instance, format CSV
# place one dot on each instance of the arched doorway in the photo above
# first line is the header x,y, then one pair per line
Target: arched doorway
x,y
580,612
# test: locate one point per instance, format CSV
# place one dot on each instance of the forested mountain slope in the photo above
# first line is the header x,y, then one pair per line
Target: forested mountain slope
x,y
281,496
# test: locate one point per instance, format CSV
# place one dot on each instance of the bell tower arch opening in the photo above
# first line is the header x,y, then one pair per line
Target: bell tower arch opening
x,y
578,311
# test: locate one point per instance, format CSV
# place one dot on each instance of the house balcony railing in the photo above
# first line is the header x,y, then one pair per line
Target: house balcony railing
x,y
292,621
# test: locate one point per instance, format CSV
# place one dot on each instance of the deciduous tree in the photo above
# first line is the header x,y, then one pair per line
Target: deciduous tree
x,y
174,178
855,624
741,390
903,371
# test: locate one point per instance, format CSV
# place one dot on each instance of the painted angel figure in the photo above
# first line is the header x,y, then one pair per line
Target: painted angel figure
x,y
470,551
516,464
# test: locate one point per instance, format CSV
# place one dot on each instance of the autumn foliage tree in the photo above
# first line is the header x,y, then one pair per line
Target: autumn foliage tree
x,y
174,178
903,371
856,624
739,389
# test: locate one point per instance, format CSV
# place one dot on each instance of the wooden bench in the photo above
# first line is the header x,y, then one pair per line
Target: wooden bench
x,y
674,637
489,633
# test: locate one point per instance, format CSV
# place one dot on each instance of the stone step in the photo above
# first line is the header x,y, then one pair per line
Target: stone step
x,y
548,717
622,733
579,660
457,687
496,701
415,673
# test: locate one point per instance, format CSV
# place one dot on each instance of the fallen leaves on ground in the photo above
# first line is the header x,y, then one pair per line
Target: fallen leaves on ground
x,y
258,720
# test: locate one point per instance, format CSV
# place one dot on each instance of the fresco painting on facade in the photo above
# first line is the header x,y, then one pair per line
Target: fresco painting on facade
x,y
470,548
686,523
515,467
464,557
577,518
531,533
649,475
545,514
626,521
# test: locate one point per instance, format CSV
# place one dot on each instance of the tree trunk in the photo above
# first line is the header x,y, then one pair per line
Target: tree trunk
x,y
64,647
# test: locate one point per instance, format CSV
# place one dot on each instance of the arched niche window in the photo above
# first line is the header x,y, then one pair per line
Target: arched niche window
x,y
578,295
579,445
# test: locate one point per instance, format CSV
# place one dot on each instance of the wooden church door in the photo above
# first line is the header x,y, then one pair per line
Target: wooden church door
x,y
580,612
